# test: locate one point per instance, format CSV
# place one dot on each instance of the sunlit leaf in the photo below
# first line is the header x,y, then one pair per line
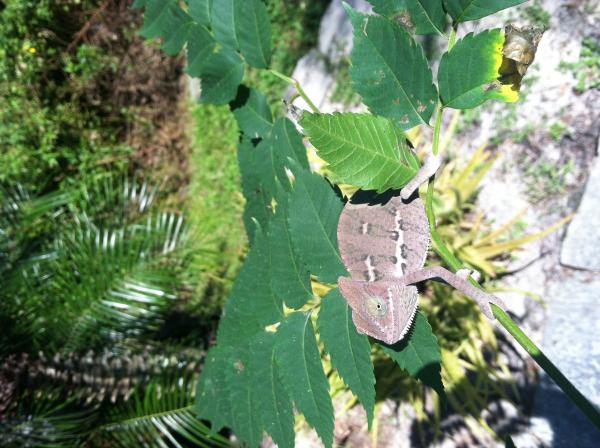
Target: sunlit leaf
x,y
364,150
481,55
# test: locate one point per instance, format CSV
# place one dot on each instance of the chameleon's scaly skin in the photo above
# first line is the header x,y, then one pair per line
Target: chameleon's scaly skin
x,y
384,249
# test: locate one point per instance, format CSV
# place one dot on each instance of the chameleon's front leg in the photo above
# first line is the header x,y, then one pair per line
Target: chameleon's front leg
x,y
429,168
459,282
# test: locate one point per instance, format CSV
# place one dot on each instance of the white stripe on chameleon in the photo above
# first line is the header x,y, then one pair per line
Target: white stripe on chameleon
x,y
370,269
399,242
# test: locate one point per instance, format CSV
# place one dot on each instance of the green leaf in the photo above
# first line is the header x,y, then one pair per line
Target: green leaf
x,y
299,363
290,278
350,351
241,382
390,71
286,137
254,32
164,19
426,16
252,305
223,22
273,404
264,165
244,25
254,117
213,401
468,74
258,199
221,75
220,69
314,211
364,150
200,11
419,354
465,10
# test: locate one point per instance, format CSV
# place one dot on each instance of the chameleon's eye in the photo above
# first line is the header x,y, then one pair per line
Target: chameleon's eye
x,y
376,307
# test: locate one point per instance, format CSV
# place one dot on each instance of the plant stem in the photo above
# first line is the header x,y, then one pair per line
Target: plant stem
x,y
298,88
504,319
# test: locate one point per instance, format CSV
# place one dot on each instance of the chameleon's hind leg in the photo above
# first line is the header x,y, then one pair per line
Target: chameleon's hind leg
x,y
429,168
482,298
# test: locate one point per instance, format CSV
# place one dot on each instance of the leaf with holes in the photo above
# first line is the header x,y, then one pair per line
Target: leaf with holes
x,y
390,71
465,10
299,362
425,16
350,351
364,150
469,73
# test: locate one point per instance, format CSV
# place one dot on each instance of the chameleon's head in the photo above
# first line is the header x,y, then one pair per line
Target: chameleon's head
x,y
383,310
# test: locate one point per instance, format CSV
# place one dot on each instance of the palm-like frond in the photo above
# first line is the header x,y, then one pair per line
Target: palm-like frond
x,y
161,416
118,283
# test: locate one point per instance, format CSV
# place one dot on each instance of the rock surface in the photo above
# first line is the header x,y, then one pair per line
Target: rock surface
x,y
581,247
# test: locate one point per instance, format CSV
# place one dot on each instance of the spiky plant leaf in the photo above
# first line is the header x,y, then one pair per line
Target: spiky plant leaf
x,y
465,10
166,20
350,351
272,401
299,363
390,71
110,283
466,89
419,354
314,212
254,118
364,150
159,415
426,16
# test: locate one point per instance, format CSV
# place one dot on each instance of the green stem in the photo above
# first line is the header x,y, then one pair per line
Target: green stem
x,y
504,319
298,88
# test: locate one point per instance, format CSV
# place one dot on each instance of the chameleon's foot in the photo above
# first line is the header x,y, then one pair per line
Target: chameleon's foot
x,y
464,273
487,309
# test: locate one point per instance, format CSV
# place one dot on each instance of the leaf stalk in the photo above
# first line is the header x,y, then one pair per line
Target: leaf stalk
x,y
298,88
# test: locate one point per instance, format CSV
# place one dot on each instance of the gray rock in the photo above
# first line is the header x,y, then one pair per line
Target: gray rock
x,y
335,31
581,246
571,342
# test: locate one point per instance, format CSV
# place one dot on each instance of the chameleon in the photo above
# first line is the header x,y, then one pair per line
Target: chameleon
x,y
384,247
